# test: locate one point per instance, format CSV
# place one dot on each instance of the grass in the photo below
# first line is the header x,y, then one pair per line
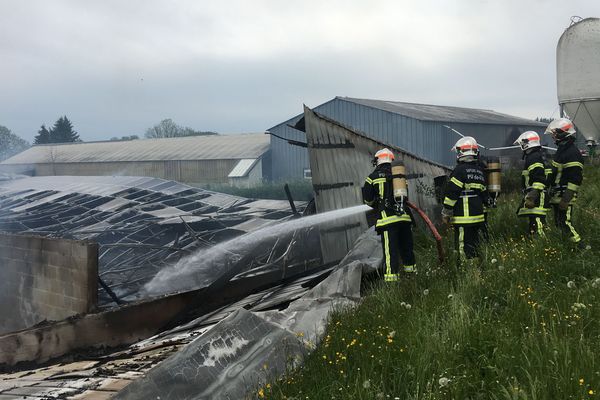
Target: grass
x,y
525,324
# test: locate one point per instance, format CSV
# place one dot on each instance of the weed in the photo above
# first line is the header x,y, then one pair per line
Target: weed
x,y
525,324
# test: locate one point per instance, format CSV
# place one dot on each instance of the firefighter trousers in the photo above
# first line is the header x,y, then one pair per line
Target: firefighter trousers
x,y
562,219
466,240
397,243
536,225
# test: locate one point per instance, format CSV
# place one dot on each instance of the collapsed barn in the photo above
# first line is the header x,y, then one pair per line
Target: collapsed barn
x,y
195,288
141,226
191,277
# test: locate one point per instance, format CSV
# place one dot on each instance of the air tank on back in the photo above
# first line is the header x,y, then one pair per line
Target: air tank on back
x,y
578,76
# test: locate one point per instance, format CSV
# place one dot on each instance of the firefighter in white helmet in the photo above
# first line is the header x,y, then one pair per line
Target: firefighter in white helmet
x,y
465,196
566,175
394,223
533,180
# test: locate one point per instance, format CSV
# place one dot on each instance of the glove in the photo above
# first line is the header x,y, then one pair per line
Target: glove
x,y
531,198
447,214
566,199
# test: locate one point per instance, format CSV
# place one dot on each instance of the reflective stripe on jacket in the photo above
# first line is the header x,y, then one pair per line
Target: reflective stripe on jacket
x,y
377,193
466,193
534,177
567,172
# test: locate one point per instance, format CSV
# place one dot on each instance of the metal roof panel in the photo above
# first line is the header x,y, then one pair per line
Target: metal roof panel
x,y
213,147
429,112
242,168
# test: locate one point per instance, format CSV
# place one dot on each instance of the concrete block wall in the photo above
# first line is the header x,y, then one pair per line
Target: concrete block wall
x,y
45,279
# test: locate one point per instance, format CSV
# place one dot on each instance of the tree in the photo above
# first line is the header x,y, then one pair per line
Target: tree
x,y
168,128
43,136
117,139
191,132
10,144
544,119
63,132
165,128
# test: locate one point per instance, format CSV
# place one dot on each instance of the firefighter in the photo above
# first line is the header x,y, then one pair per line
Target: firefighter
x,y
566,176
394,221
465,197
533,179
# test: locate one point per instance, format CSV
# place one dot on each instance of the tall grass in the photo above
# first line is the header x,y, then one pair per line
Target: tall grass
x,y
524,324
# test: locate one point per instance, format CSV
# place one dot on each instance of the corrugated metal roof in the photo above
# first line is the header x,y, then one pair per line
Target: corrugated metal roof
x,y
242,168
214,147
429,112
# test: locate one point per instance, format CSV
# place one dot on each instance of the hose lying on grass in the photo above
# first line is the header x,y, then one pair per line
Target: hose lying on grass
x,y
432,228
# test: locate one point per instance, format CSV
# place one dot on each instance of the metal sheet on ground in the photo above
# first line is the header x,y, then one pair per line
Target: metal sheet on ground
x,y
247,349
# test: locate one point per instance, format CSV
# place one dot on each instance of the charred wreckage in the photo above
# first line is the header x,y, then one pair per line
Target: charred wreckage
x,y
195,291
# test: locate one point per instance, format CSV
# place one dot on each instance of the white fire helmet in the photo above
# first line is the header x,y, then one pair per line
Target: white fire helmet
x,y
466,146
560,129
528,140
384,156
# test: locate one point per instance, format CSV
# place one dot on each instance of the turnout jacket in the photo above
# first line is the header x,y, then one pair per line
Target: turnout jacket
x,y
466,193
378,193
533,176
566,173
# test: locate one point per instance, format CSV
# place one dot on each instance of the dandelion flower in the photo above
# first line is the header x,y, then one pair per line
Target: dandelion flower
x,y
590,391
443,381
581,381
571,285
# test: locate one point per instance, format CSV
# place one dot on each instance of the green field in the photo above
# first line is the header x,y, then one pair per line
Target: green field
x,y
524,325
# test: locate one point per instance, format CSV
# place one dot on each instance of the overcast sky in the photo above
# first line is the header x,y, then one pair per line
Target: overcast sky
x,y
118,67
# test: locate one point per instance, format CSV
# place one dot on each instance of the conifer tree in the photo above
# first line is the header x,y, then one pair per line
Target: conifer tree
x,y
63,132
43,136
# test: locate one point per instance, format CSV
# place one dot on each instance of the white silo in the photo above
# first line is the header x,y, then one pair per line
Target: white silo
x,y
578,76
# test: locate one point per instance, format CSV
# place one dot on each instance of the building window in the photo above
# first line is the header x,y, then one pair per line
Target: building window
x,y
307,174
